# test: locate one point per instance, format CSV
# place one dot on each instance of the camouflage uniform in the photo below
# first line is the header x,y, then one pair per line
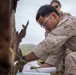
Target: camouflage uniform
x,y
52,49
61,62
63,14
70,62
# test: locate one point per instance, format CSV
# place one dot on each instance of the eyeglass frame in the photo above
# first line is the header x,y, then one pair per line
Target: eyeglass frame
x,y
43,24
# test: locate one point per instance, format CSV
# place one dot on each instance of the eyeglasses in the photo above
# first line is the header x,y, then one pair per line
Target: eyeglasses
x,y
44,23
56,6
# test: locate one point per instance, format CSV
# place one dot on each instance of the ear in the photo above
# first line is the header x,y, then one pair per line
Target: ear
x,y
54,15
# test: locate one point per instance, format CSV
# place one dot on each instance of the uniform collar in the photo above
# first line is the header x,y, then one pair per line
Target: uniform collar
x,y
62,20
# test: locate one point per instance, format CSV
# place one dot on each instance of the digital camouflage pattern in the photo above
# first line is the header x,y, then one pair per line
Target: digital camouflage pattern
x,y
70,64
52,49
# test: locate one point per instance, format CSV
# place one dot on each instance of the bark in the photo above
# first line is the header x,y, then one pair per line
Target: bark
x,y
5,11
9,38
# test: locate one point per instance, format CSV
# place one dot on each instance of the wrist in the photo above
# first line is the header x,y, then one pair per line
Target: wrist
x,y
24,57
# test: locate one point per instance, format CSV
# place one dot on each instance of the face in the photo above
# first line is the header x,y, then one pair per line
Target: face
x,y
57,6
49,22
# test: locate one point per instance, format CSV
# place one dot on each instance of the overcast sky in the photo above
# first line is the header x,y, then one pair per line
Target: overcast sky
x,y
27,9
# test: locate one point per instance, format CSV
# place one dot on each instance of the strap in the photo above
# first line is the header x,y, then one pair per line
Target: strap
x,y
14,53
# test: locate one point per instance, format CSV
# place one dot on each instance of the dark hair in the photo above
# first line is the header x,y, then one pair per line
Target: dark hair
x,y
45,10
56,2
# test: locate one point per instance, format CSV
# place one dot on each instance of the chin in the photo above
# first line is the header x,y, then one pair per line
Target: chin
x,y
50,30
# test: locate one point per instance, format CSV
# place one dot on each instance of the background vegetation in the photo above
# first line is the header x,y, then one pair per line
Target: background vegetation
x,y
26,48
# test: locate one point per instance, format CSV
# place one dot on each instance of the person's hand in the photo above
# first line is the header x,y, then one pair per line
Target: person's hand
x,y
22,61
19,66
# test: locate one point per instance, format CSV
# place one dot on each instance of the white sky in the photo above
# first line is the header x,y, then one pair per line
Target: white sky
x,y
27,9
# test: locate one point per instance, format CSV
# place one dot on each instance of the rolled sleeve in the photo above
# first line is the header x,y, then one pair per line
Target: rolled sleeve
x,y
39,51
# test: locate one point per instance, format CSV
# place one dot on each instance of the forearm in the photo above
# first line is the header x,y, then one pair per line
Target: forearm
x,y
31,57
46,65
